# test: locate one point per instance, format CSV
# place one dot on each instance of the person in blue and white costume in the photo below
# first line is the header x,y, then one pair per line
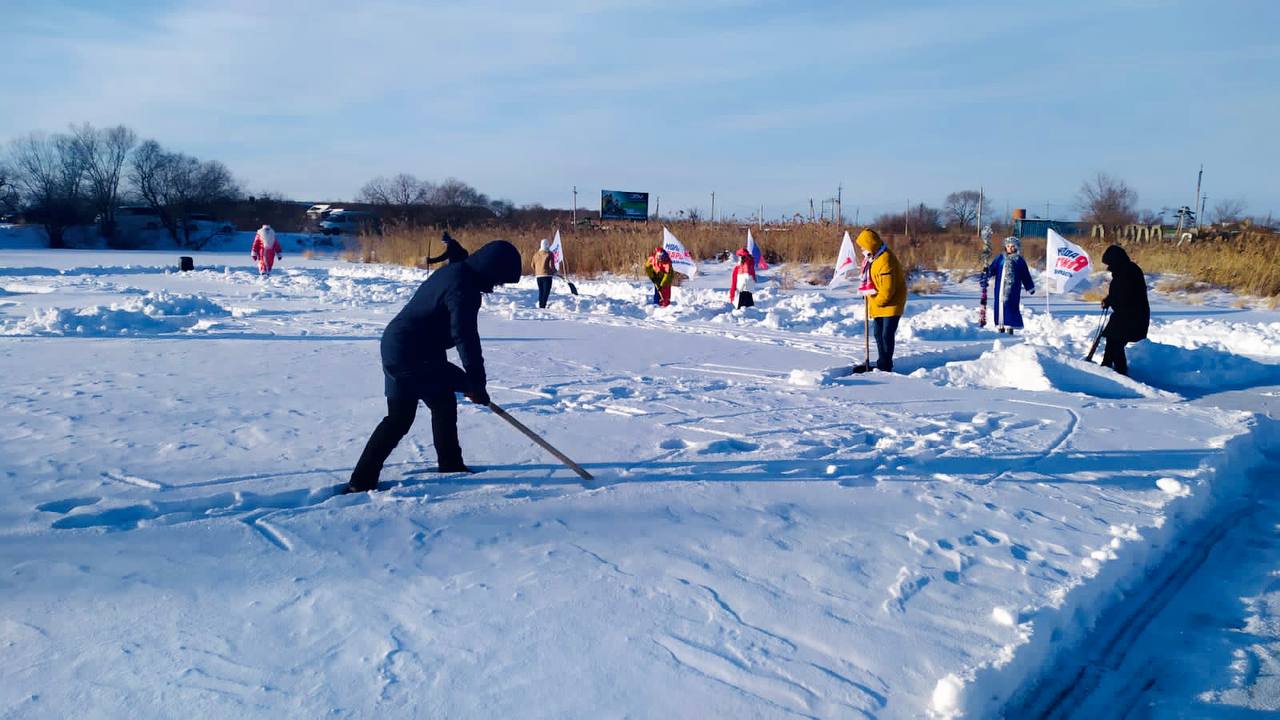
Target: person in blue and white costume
x,y
1011,276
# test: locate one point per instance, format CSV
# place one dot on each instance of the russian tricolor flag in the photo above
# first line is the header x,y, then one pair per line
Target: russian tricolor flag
x,y
756,254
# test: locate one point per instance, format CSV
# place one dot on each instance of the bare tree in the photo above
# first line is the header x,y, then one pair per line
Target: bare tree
x,y
177,185
502,208
456,193
9,199
103,154
1230,210
924,220
48,173
1107,201
961,208
399,193
147,168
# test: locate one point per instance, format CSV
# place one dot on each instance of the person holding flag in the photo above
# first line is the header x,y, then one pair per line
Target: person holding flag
x,y
658,268
1011,275
743,281
889,294
544,269
757,255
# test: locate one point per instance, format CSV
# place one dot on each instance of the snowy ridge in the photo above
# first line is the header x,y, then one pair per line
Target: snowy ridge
x,y
1019,683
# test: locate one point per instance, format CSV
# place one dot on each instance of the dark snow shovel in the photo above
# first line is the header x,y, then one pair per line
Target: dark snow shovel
x,y
1101,326
586,476
572,288
866,338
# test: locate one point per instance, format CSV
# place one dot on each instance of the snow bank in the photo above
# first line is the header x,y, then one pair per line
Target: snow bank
x,y
1057,629
153,313
943,322
1037,368
1259,340
1203,368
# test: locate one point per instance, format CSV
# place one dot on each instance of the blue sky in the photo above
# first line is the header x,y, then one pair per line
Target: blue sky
x,y
761,102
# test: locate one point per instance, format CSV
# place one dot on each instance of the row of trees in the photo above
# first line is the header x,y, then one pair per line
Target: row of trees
x,y
1103,200
402,194
84,175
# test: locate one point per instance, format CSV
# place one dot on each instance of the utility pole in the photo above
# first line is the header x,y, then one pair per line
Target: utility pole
x,y
1046,211
713,207
657,207
840,203
761,216
810,209
982,194
906,220
575,206
857,210
1199,177
1200,215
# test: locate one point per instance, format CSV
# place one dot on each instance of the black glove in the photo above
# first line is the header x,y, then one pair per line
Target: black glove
x,y
446,237
1105,303
478,396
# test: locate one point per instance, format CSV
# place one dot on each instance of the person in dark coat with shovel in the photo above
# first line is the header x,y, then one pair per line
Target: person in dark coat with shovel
x,y
442,314
1130,311
453,252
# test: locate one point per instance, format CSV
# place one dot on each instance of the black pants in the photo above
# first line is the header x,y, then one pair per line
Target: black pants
x,y
1113,356
544,290
400,415
884,328
745,299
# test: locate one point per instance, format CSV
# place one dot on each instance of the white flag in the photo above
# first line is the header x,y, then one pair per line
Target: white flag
x,y
556,251
847,267
1066,264
681,260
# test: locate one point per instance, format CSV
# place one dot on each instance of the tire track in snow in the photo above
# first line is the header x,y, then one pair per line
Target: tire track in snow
x,y
1066,687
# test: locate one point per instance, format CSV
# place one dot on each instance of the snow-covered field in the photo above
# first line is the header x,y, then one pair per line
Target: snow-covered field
x,y
766,537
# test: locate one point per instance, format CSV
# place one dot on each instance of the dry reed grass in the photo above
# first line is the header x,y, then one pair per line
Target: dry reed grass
x,y
1249,265
1243,265
925,285
622,248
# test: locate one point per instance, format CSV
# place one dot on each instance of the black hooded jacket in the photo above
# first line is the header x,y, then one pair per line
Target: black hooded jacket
x,y
1127,298
453,252
440,315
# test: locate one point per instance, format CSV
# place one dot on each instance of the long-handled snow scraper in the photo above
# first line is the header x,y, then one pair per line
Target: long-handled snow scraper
x,y
586,476
1102,324
866,337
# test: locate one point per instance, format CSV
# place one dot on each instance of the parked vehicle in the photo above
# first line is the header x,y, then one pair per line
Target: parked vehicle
x,y
320,211
351,222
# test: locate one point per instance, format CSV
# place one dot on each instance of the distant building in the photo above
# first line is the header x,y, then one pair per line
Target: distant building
x,y
1037,227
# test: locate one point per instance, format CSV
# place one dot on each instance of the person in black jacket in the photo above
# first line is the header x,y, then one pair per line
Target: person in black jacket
x,y
453,251
440,315
1131,314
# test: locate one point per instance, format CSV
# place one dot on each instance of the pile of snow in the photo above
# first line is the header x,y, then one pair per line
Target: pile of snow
x,y
153,313
1038,368
1259,340
1204,368
943,322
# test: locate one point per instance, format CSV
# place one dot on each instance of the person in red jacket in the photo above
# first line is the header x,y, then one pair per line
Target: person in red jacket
x,y
744,280
266,248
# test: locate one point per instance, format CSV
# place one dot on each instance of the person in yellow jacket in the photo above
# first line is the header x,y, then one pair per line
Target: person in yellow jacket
x,y
886,304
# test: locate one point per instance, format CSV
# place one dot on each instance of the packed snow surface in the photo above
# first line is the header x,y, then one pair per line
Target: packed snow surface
x,y
767,536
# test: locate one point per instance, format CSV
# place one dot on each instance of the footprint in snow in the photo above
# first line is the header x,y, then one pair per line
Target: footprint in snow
x,y
728,445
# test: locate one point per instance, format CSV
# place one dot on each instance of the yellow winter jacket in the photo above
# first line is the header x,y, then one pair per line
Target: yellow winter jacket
x,y
661,276
890,299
